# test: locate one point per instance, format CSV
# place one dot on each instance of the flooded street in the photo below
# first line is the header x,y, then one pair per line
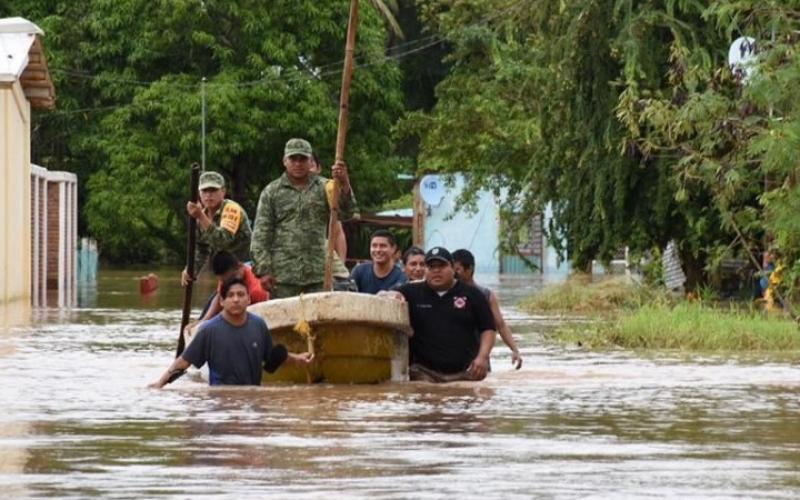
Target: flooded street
x,y
77,419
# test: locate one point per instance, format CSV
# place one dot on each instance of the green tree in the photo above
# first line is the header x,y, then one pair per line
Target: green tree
x,y
128,77
528,108
733,143
624,116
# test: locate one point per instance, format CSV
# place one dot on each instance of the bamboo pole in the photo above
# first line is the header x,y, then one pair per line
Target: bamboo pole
x,y
341,137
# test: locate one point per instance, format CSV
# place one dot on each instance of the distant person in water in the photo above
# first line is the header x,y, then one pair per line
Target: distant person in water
x,y
464,265
236,344
380,273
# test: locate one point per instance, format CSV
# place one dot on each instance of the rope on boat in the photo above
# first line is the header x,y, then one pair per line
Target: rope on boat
x,y
303,328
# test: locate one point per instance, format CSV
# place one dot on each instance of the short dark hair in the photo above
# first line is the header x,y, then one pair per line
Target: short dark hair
x,y
223,262
315,158
384,233
464,257
412,251
228,283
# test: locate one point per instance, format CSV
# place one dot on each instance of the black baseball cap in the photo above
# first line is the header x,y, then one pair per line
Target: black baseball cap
x,y
438,253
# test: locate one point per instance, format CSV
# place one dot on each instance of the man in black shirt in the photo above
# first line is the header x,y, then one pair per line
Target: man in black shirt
x,y
452,322
235,344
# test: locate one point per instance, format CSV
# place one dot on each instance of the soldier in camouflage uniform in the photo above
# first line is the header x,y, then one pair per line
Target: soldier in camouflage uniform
x,y
291,224
222,224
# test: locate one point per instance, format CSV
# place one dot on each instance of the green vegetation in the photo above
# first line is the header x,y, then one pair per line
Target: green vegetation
x,y
621,115
625,118
688,327
128,76
580,295
635,316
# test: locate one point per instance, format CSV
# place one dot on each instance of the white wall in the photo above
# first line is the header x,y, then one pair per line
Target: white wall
x,y
448,226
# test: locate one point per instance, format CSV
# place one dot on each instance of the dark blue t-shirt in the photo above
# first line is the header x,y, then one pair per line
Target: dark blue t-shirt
x,y
235,354
367,282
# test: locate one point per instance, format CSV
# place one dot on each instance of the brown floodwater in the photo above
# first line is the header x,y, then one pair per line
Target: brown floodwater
x,y
77,419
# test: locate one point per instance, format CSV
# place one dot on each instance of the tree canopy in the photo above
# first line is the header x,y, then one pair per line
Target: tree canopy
x,y
622,115
625,117
130,76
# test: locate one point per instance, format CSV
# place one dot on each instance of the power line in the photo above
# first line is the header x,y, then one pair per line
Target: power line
x,y
291,76
426,42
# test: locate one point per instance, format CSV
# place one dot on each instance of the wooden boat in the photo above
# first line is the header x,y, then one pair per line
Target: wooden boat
x,y
356,338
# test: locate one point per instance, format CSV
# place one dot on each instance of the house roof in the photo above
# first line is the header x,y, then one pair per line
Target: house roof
x,y
22,58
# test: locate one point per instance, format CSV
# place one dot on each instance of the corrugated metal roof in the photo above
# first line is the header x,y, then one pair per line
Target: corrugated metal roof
x,y
22,58
16,38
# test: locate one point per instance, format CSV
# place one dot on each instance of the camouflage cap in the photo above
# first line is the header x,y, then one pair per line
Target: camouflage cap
x,y
211,180
297,147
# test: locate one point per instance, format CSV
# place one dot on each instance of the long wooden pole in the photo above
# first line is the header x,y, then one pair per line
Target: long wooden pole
x,y
190,250
341,137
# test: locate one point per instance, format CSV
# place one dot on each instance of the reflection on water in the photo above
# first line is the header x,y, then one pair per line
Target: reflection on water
x,y
77,420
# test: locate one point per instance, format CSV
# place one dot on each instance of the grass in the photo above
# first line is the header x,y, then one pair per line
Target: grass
x,y
691,327
581,295
634,316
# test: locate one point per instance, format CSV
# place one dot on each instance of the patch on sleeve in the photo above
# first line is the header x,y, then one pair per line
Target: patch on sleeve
x,y
231,218
329,187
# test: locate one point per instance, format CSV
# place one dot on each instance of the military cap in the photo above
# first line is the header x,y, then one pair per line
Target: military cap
x,y
211,180
297,147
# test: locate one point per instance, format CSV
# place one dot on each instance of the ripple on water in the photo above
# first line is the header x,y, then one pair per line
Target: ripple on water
x,y
78,421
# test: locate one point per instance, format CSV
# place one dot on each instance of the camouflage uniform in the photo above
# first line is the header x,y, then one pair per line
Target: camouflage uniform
x,y
230,231
290,232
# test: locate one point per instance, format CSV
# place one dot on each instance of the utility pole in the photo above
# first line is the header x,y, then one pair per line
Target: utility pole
x,y
203,126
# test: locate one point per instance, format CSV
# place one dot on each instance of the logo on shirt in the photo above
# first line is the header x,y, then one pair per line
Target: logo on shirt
x,y
255,345
459,302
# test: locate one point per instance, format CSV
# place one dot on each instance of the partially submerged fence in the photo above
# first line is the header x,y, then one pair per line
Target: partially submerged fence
x,y
54,234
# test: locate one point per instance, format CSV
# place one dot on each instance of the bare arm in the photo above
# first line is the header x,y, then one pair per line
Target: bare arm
x,y
300,359
391,294
480,365
341,241
175,370
214,309
504,331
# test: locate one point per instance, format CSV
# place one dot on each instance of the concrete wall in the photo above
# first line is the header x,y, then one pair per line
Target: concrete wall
x,y
15,190
449,226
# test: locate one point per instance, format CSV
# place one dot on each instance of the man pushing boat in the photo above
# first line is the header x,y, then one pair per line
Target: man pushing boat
x,y
236,344
454,329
